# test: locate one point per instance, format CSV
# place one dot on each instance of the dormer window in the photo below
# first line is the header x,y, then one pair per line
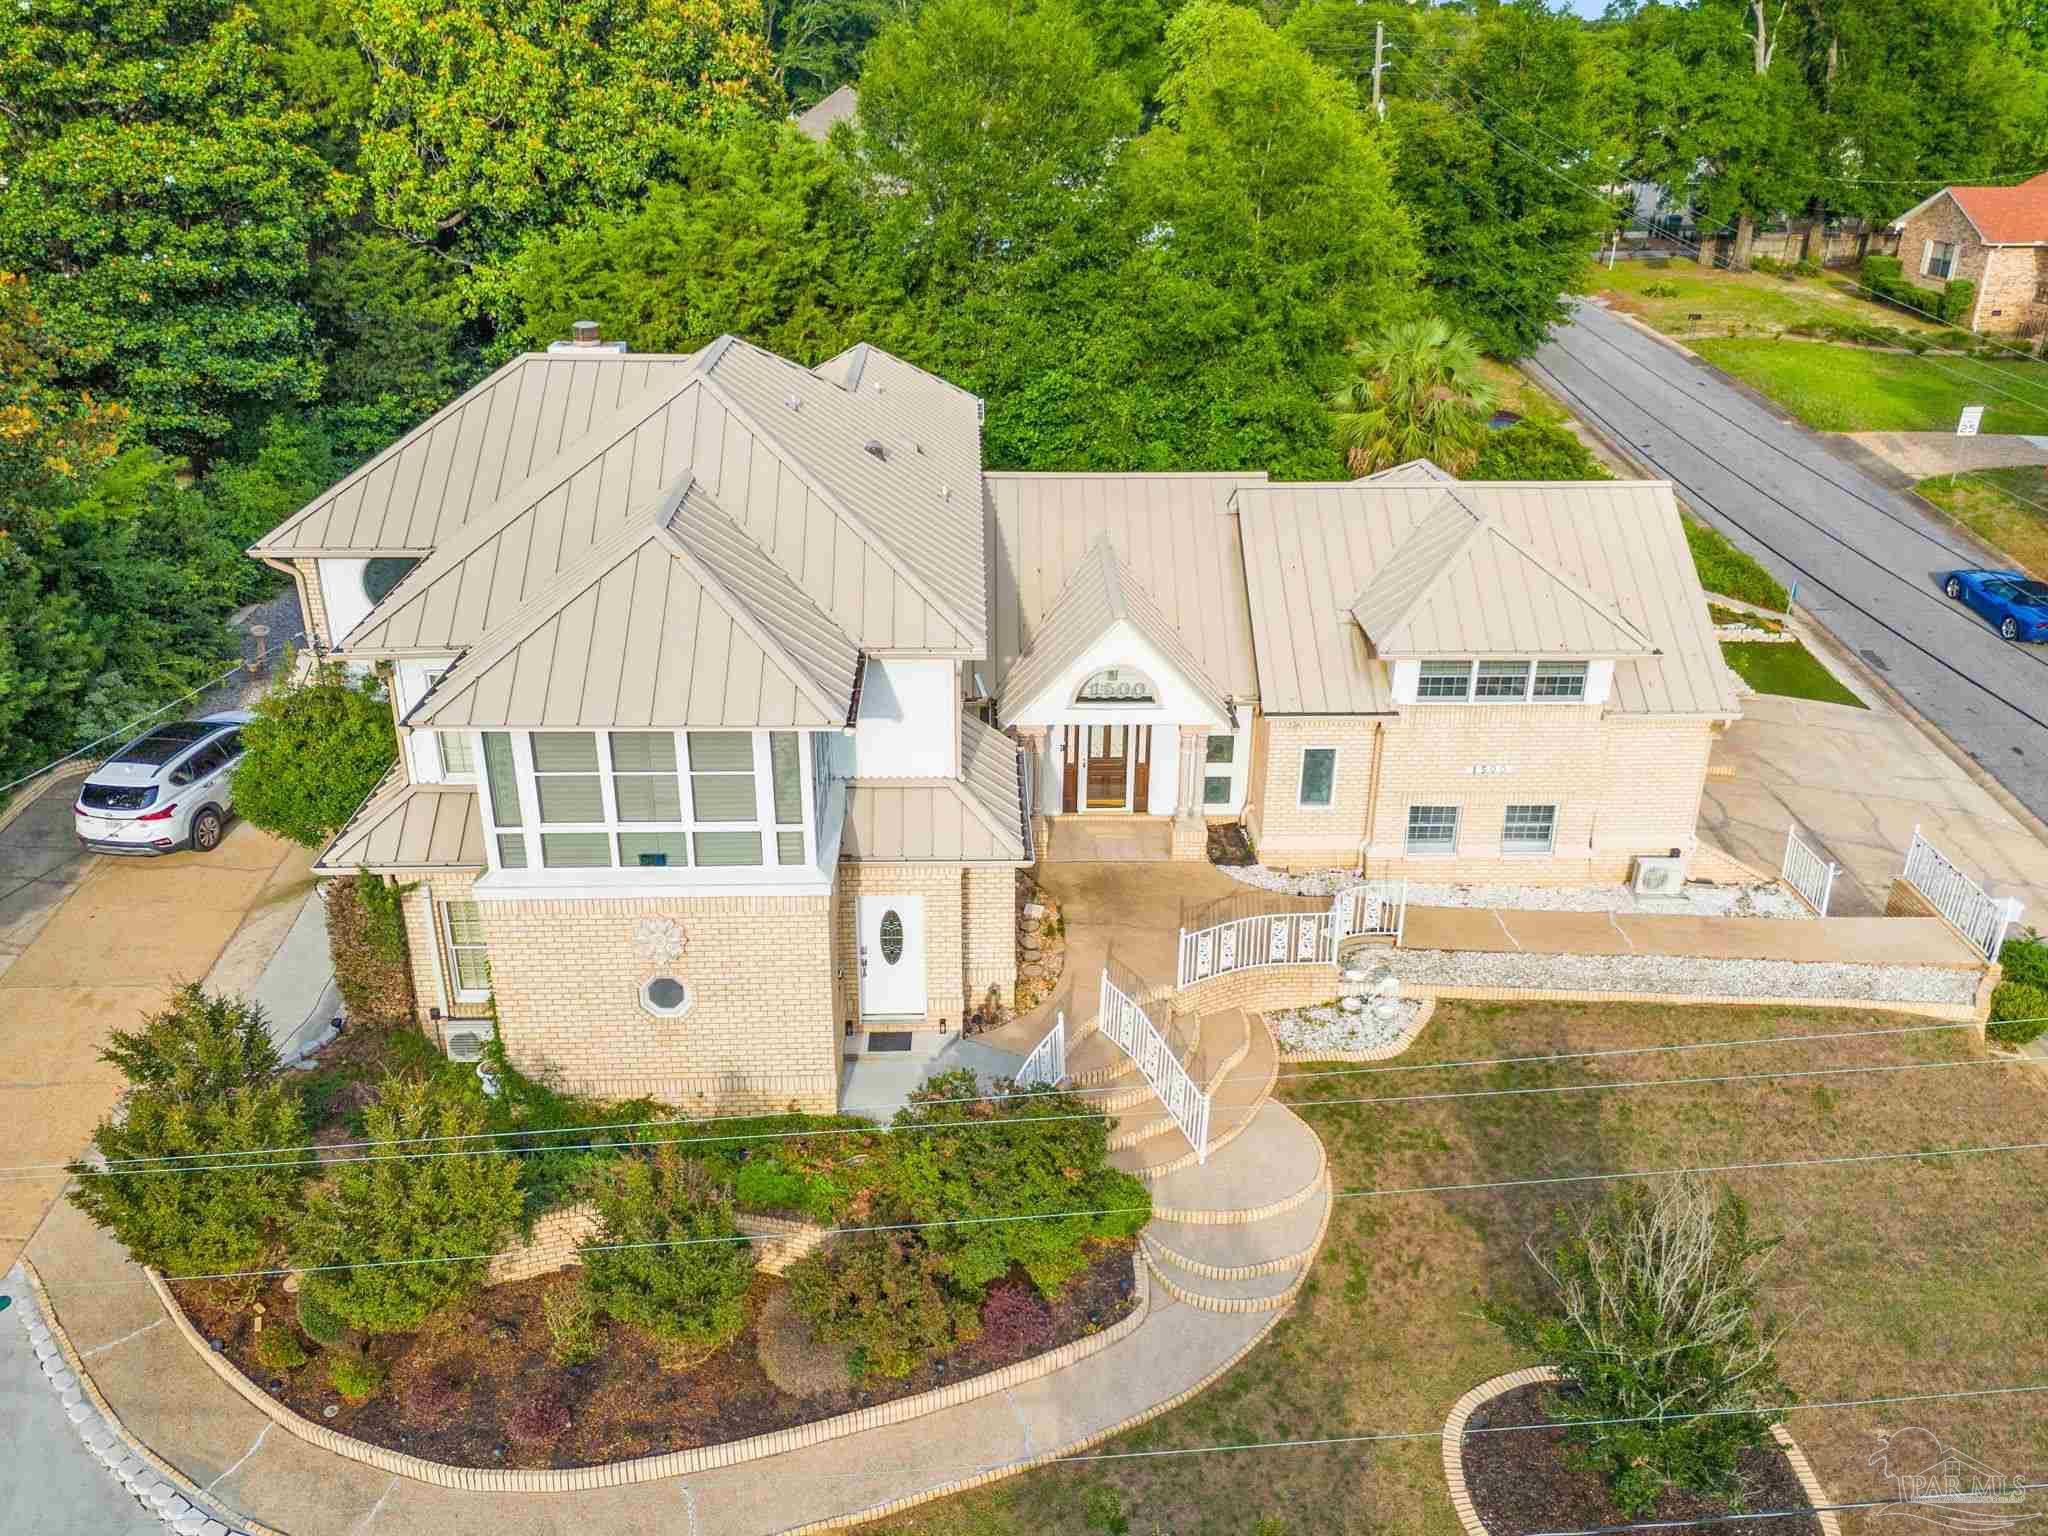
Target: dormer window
x,y
1117,685
1502,682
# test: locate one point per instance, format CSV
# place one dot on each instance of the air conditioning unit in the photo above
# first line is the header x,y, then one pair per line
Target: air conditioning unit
x,y
1659,875
465,1039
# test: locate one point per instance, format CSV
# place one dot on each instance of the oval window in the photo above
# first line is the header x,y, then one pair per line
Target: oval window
x,y
382,574
892,937
666,996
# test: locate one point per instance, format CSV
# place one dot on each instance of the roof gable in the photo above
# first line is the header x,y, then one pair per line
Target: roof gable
x,y
406,828
676,620
2015,215
1459,585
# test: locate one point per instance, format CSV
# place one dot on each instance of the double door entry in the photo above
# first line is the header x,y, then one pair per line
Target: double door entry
x,y
1107,767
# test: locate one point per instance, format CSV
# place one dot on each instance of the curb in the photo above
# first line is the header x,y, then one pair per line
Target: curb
x,y
647,1469
28,794
1529,1376
158,1486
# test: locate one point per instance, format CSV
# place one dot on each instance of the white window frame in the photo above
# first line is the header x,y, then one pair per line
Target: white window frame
x,y
1421,677
1533,669
456,989
1432,850
1932,258
1529,851
1301,779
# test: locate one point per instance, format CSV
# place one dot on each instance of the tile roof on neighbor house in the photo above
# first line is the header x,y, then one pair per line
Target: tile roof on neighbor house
x,y
889,541
977,818
1312,551
677,619
1101,594
419,493
409,829
2014,215
1177,534
817,120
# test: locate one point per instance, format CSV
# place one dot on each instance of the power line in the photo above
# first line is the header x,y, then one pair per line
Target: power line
x,y
1902,1501
992,1125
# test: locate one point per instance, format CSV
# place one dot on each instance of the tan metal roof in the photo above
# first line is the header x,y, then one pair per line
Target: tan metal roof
x,y
677,619
816,121
422,490
727,425
975,819
1458,585
409,829
1311,550
1101,593
1410,472
1177,533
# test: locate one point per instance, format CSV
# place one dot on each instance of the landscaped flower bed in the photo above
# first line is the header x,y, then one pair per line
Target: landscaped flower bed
x,y
453,1390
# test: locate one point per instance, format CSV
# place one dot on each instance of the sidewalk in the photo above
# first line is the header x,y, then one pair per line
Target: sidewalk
x,y
1833,940
1908,457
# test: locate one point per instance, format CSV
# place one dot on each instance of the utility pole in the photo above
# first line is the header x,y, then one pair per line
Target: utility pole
x,y
1379,62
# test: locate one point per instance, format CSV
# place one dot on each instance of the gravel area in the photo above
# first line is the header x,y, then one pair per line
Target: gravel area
x,y
1326,1027
1684,975
1766,899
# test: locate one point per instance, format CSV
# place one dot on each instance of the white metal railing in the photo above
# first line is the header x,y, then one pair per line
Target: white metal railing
x,y
1293,938
1132,1031
1812,876
1980,917
1046,1066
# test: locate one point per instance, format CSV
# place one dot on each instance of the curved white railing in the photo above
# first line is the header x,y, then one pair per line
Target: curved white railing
x,y
1132,1031
1979,916
1369,908
1046,1066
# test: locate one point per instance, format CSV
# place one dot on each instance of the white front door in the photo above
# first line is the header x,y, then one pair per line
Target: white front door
x,y
892,957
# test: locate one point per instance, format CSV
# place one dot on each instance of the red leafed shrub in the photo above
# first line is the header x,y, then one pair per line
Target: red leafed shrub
x,y
539,1418
1015,1321
438,1397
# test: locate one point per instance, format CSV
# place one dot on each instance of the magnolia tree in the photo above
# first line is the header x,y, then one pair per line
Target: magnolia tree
x,y
316,749
1653,1325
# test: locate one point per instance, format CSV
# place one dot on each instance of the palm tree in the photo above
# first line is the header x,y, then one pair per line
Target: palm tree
x,y
1419,394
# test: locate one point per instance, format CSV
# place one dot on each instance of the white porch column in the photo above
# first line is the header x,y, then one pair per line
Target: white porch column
x,y
1190,831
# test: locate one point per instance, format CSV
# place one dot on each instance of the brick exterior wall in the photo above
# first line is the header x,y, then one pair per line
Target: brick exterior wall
x,y
988,934
557,1235
2008,277
970,933
566,979
1622,785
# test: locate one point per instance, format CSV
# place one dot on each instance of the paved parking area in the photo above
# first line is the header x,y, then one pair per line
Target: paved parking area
x,y
89,945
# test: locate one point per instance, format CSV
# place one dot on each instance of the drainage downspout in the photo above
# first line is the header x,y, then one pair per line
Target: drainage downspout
x,y
291,568
1372,793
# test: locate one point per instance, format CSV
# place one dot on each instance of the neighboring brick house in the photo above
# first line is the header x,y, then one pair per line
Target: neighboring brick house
x,y
1995,237
733,695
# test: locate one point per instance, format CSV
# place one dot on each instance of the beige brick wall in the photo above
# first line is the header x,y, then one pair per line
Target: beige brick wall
x,y
558,1234
566,979
988,934
1622,786
970,918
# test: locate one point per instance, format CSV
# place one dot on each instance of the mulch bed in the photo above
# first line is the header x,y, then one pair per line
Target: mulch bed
x,y
1229,845
1519,1483
453,1386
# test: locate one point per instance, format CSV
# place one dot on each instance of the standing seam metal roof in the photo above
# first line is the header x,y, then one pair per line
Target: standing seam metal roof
x,y
976,818
402,828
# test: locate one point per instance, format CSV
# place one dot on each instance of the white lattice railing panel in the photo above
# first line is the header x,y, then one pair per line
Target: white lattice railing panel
x,y
1293,938
1812,876
1132,1031
1046,1066
1980,917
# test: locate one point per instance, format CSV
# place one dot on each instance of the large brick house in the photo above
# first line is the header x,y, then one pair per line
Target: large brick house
x,y
733,694
1995,237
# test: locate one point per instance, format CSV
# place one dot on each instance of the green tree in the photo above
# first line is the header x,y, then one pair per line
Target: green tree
x,y
1654,1323
1419,394
665,1255
162,200
495,120
393,1206
818,44
315,751
1536,450
312,54
760,233
203,1088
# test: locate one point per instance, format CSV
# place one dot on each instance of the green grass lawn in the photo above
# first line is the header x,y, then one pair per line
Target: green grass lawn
x,y
1740,302
1852,389
2006,508
1893,1277
1791,670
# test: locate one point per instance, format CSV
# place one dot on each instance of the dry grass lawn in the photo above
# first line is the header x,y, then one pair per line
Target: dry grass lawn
x,y
1908,1276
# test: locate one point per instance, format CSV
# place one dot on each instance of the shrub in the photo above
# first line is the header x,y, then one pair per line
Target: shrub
x,y
2024,958
1537,450
319,1322
1016,1321
314,753
1661,290
409,1208
955,1155
356,1377
540,1417
279,1348
688,1292
1654,1313
1957,299
2019,1004
886,1298
571,1320
1804,268
793,1354
366,941
1768,265
1727,570
440,1396
200,1092
1883,276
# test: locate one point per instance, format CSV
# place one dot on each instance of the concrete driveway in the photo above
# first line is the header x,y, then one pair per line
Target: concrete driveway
x,y
1859,781
89,945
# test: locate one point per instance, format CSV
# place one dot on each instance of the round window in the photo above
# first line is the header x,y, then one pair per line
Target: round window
x,y
892,937
666,996
382,574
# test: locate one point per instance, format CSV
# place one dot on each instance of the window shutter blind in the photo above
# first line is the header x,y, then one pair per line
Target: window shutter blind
x,y
1926,256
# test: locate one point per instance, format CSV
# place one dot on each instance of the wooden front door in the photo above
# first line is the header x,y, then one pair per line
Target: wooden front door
x,y
1070,768
1109,762
1141,769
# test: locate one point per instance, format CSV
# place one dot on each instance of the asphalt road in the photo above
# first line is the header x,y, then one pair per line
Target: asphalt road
x,y
1868,560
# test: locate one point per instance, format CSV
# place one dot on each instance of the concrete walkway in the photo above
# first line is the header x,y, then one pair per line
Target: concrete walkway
x,y
1914,456
1834,940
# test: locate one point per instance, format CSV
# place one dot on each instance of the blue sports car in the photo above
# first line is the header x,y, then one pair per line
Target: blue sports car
x,y
2012,600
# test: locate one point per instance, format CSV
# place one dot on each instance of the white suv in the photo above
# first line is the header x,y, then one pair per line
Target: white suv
x,y
170,788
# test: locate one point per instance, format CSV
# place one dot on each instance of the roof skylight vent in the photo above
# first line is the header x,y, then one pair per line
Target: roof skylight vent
x,y
794,402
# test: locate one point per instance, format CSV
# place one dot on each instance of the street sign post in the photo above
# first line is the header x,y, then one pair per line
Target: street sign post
x,y
1971,419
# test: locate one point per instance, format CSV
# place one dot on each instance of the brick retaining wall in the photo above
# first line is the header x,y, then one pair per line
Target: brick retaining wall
x,y
557,1235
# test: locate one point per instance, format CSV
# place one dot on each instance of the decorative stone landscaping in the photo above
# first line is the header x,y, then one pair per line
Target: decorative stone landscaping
x,y
1482,972
1701,899
1328,1032
1041,944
